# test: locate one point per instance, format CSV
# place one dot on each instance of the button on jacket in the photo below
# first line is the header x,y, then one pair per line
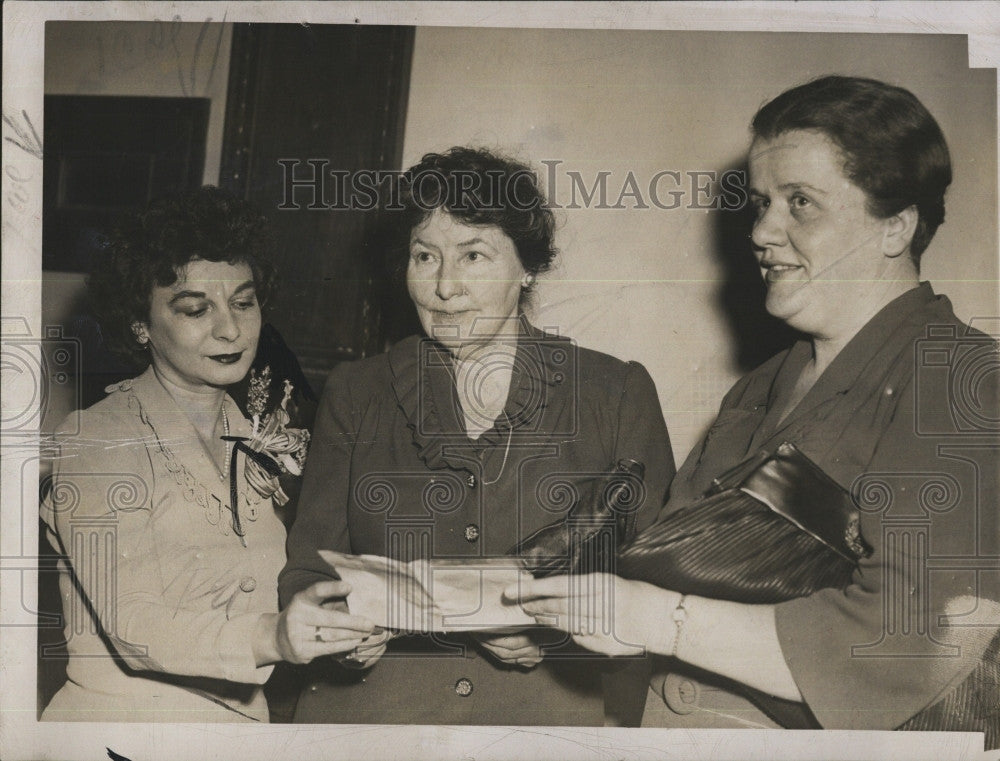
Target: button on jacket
x,y
392,472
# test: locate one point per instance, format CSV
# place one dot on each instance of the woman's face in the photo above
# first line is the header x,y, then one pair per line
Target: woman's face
x,y
817,246
465,281
203,329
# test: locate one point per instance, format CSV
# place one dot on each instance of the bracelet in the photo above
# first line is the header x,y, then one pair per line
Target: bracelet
x,y
679,616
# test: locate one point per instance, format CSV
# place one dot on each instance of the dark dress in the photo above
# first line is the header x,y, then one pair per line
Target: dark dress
x,y
905,417
392,472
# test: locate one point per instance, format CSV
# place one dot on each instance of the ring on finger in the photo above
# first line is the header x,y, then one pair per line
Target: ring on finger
x,y
319,634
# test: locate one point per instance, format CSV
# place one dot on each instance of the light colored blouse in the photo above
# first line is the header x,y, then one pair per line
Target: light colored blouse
x,y
160,595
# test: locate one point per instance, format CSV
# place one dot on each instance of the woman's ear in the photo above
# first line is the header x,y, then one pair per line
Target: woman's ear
x,y
898,232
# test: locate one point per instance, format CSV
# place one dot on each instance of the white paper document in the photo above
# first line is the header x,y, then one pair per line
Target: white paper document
x,y
435,595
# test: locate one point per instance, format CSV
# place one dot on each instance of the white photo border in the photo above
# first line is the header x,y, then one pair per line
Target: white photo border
x,y
23,737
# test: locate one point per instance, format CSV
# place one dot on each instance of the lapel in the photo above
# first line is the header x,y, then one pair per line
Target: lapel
x,y
424,386
863,361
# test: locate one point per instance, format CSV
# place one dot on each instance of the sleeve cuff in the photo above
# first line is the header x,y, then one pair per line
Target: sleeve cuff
x,y
847,689
235,649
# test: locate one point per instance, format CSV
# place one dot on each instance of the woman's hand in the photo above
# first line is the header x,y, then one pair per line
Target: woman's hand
x,y
306,630
369,651
602,612
513,648
610,615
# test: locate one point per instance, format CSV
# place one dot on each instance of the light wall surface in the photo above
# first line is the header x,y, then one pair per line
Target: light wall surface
x,y
644,284
146,58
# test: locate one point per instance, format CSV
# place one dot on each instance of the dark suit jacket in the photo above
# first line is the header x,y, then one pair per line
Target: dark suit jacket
x,y
906,418
392,472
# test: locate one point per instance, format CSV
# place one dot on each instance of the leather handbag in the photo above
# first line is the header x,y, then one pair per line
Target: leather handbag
x,y
588,538
773,528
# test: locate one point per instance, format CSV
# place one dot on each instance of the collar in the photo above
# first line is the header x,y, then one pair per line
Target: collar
x,y
881,338
172,428
423,381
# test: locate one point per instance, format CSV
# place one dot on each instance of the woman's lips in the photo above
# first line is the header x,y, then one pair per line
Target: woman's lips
x,y
776,272
226,359
450,319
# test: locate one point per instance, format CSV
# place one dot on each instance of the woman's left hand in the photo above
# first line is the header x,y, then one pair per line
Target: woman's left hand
x,y
602,612
514,648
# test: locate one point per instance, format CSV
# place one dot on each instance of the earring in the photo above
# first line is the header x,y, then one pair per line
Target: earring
x,y
529,280
140,334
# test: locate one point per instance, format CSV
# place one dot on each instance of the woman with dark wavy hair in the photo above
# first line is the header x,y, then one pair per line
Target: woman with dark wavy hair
x,y
457,444
162,495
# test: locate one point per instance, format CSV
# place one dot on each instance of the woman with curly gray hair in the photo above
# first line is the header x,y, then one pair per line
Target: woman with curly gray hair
x,y
457,444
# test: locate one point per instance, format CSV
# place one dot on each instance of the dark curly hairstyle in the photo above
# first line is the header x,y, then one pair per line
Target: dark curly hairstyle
x,y
893,148
150,248
479,188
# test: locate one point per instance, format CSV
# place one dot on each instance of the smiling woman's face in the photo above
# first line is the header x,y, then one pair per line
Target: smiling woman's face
x,y
817,245
203,329
465,281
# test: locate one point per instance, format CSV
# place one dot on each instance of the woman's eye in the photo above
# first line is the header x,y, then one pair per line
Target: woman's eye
x,y
799,201
195,312
246,303
474,256
422,256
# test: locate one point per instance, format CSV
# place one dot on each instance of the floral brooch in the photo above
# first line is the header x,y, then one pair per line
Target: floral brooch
x,y
273,449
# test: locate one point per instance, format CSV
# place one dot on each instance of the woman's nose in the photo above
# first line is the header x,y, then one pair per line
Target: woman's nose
x,y
226,328
769,229
449,282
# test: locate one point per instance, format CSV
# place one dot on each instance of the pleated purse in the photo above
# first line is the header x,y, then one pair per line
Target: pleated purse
x,y
773,528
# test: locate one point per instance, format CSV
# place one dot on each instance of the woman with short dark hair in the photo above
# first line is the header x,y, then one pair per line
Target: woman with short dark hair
x,y
460,443
873,439
482,189
892,147
148,249
162,494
